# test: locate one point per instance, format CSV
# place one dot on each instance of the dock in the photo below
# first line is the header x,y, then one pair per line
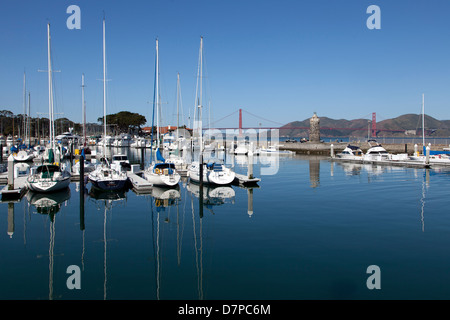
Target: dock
x,y
20,187
140,185
245,180
399,163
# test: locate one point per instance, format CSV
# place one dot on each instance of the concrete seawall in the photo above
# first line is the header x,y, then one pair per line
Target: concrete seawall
x,y
324,147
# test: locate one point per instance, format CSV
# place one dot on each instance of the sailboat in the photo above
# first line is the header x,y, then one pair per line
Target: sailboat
x,y
49,176
180,144
160,173
23,152
214,172
107,176
435,156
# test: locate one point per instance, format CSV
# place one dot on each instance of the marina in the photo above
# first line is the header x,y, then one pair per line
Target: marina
x,y
189,234
199,152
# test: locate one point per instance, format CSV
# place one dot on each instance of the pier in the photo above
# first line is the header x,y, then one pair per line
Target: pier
x,y
140,185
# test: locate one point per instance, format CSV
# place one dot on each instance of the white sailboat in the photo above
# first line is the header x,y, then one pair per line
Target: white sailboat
x,y
49,176
435,156
160,173
106,176
214,172
24,152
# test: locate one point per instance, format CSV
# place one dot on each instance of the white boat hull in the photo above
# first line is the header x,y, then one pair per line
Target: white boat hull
x,y
160,179
48,185
224,177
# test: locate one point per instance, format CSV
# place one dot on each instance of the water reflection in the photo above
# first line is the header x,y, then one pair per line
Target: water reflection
x,y
48,203
314,172
212,195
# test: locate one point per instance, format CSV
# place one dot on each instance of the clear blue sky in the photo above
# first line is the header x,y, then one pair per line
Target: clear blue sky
x,y
282,60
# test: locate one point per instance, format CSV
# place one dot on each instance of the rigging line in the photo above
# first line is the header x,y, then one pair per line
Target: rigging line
x,y
259,117
212,123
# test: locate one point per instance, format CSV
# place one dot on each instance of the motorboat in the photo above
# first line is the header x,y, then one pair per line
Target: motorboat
x,y
67,138
273,149
121,160
351,152
378,153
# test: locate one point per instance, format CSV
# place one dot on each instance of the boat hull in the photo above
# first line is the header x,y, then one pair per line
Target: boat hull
x,y
211,177
45,186
161,179
108,185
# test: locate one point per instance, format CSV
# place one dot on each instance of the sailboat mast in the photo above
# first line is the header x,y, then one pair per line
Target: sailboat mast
x,y
28,135
423,120
24,125
104,90
200,95
50,91
83,106
178,103
157,94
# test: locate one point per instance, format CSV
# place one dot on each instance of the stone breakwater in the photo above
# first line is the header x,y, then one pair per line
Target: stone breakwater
x,y
325,147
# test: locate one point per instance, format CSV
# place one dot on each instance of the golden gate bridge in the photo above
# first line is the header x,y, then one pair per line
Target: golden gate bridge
x,y
373,130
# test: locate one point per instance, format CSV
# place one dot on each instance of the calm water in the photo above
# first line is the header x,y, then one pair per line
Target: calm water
x,y
307,232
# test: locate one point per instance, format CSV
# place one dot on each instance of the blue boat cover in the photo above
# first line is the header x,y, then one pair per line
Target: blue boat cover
x,y
159,156
435,152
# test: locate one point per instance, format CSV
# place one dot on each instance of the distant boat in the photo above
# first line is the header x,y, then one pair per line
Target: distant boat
x,y
121,160
274,150
377,153
351,153
106,176
67,138
241,149
23,152
87,166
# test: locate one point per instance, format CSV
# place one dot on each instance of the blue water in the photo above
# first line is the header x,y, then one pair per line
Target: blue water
x,y
309,231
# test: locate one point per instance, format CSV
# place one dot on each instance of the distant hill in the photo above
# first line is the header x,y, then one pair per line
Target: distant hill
x,y
408,124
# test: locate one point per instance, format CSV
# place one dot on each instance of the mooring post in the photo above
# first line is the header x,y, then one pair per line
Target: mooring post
x,y
332,150
10,172
250,164
415,149
427,157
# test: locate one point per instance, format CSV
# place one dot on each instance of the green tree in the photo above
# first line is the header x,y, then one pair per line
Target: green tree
x,y
124,121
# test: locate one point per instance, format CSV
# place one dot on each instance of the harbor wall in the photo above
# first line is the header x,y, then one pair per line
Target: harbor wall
x,y
325,147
